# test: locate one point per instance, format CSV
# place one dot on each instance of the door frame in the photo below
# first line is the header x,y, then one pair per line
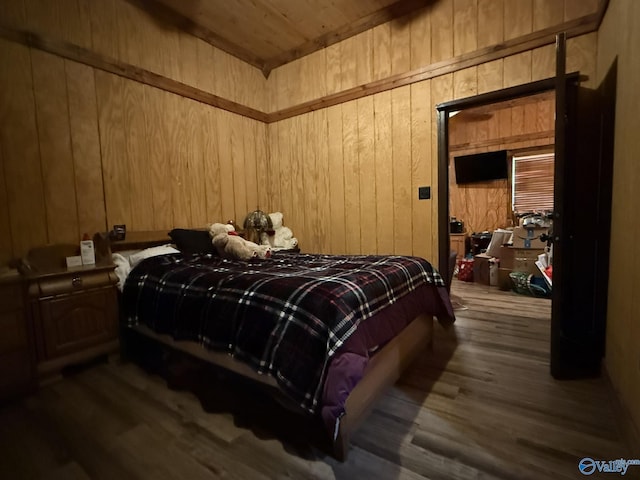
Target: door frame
x,y
443,111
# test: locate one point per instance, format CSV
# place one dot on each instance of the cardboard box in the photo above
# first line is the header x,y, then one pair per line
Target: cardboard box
x,y
482,268
520,259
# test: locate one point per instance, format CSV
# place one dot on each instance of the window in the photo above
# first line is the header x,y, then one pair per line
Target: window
x,y
532,183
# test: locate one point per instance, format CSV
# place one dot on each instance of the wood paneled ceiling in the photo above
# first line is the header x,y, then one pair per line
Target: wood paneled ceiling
x,y
270,33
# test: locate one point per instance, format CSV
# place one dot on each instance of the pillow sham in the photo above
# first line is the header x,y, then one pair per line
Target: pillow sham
x,y
192,241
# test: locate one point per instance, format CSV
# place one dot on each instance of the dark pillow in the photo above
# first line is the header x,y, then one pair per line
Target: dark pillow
x,y
192,241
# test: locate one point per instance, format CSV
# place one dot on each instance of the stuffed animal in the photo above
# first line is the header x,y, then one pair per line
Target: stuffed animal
x,y
230,245
283,236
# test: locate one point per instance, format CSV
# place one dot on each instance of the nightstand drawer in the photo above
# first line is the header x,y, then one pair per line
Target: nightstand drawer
x,y
72,323
72,282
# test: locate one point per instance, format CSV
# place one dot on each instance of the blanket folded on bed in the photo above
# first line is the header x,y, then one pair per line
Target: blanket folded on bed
x,y
285,316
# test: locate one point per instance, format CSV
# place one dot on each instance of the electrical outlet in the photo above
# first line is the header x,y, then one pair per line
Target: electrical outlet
x,y
424,193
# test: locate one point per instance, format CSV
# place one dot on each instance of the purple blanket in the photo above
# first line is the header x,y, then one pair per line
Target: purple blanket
x,y
285,316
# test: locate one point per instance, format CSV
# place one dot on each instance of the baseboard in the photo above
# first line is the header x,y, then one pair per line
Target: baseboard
x,y
629,430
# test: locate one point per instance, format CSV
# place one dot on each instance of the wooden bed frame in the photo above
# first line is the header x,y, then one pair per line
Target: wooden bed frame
x,y
382,371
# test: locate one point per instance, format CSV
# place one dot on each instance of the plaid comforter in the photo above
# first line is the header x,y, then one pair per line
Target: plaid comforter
x,y
285,316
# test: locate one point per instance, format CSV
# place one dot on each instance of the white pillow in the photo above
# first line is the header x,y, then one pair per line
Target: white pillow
x,y
136,258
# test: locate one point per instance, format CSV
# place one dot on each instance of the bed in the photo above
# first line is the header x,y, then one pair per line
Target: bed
x,y
328,333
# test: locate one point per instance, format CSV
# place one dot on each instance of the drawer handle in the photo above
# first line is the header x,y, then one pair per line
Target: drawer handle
x,y
76,281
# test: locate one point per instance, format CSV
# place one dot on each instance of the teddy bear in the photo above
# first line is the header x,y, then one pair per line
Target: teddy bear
x,y
230,245
282,237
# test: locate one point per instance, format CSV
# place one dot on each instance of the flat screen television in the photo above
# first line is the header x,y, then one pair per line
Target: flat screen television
x,y
481,167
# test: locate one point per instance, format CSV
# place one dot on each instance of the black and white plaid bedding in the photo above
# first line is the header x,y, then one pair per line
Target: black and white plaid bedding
x,y
285,316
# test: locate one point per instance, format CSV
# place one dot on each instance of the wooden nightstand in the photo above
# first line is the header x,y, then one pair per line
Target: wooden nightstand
x,y
16,352
74,312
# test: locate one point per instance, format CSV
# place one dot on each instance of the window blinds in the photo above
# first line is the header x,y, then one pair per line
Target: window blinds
x,y
533,183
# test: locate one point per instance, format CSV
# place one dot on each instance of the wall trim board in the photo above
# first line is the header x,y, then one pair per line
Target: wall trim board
x,y
503,140
573,28
82,55
579,26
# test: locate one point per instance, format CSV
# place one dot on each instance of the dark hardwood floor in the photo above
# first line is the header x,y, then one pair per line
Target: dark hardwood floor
x,y
481,405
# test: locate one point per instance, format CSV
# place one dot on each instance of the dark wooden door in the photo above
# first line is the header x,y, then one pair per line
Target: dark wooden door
x,y
581,225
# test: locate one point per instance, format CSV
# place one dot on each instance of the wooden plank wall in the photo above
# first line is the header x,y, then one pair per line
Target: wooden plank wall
x,y
83,149
485,206
391,148
623,317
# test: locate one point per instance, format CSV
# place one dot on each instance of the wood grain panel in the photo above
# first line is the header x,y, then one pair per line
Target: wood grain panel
x,y
364,60
490,76
56,157
103,25
465,26
158,131
547,13
383,153
286,144
109,94
465,83
442,30
333,74
295,168
337,210
578,8
351,177
137,157
212,179
322,216
518,17
44,17
227,194
400,46
420,26
182,147
543,63
348,63
13,14
517,69
85,143
382,51
196,113
423,210
237,160
188,61
252,175
309,173
20,150
76,21
367,171
129,34
581,57
265,196
401,154
490,22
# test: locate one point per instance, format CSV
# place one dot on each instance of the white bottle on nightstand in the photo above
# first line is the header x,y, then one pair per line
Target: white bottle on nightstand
x,y
87,251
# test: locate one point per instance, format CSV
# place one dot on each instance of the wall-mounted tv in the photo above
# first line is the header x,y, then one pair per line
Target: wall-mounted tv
x,y
481,167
